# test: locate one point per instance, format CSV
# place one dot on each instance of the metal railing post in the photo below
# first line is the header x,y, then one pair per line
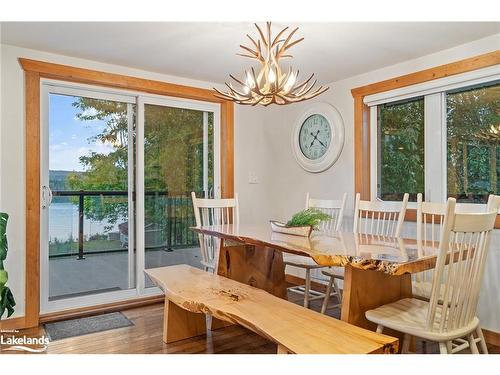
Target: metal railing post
x,y
80,226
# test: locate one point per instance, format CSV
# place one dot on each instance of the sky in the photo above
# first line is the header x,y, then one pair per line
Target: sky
x,y
69,137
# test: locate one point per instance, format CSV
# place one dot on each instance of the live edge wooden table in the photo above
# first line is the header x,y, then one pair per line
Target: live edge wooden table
x,y
377,269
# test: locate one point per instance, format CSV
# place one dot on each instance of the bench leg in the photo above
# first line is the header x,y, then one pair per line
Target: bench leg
x,y
180,324
282,350
214,323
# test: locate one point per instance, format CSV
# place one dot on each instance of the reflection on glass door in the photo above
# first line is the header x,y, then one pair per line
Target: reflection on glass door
x,y
86,195
178,158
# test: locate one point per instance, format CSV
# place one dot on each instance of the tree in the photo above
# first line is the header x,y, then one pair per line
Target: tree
x,y
402,149
472,145
173,158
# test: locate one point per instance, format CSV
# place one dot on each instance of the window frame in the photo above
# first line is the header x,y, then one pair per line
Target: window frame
x,y
435,126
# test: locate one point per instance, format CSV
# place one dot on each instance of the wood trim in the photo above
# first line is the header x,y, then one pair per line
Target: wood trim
x,y
491,337
13,323
33,72
32,155
227,149
441,71
100,309
362,142
362,116
94,77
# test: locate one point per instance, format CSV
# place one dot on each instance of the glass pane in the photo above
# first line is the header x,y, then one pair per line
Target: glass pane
x,y
88,175
473,143
401,150
175,142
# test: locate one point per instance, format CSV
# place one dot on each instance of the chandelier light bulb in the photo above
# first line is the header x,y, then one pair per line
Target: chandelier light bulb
x,y
290,82
250,81
271,76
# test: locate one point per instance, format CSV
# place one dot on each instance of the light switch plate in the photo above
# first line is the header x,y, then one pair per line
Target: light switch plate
x,y
252,178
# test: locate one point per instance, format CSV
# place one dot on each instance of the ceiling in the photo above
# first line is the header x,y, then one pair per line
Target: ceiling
x,y
206,51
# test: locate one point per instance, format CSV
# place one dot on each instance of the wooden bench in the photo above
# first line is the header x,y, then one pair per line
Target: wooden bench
x,y
190,293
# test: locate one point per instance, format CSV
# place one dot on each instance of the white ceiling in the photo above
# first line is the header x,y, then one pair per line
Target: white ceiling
x,y
206,51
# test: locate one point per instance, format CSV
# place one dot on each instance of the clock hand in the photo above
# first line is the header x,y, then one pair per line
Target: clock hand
x,y
315,137
321,143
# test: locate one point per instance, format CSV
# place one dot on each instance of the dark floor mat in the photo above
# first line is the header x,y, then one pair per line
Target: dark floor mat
x,y
84,326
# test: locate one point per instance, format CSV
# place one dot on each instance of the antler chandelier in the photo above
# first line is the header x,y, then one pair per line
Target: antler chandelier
x,y
270,85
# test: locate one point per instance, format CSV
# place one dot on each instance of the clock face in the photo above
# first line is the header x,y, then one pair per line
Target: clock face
x,y
315,136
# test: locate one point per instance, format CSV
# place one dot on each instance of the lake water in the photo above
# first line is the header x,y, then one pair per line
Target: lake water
x,y
63,223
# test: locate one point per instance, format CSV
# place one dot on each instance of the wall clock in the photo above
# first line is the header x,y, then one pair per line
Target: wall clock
x,y
318,137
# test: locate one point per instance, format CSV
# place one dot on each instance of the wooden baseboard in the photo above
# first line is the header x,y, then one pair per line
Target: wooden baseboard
x,y
13,323
296,280
100,309
492,337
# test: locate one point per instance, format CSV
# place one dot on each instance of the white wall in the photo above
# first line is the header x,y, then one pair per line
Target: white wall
x,y
290,183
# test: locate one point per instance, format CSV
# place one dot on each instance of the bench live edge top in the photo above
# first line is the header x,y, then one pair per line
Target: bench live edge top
x,y
294,327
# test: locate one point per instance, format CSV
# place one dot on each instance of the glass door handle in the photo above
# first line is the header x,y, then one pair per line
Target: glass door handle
x,y
46,196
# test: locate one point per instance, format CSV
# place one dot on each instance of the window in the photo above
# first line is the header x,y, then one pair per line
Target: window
x,y
401,149
473,142
439,138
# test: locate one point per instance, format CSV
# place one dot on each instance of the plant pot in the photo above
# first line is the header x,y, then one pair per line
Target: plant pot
x,y
304,231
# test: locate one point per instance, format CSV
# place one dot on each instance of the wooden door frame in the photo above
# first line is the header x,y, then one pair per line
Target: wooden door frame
x,y
34,71
362,113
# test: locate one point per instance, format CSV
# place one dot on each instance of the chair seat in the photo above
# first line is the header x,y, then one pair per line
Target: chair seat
x,y
335,272
300,261
409,315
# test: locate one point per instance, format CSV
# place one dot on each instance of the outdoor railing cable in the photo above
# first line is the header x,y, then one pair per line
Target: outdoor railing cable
x,y
175,217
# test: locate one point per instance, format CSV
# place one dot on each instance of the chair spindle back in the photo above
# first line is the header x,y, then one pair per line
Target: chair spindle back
x,y
378,217
458,275
334,208
208,212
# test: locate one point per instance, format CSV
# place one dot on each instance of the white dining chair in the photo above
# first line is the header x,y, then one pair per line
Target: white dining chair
x,y
334,208
379,217
370,217
451,312
213,212
430,217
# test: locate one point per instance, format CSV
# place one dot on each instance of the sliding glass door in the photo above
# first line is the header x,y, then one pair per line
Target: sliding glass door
x,y
87,206
177,156
118,170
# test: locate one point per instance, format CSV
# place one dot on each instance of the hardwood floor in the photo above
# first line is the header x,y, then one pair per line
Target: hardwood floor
x,y
145,337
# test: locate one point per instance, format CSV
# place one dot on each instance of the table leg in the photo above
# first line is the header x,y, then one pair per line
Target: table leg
x,y
365,290
258,266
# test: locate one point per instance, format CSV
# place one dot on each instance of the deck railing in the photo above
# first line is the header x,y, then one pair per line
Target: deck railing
x,y
168,219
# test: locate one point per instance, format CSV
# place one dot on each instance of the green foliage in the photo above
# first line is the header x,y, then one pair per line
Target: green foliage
x,y
402,149
473,150
311,216
7,301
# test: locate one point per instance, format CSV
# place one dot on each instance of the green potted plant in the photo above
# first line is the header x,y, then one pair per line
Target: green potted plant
x,y
302,223
7,301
